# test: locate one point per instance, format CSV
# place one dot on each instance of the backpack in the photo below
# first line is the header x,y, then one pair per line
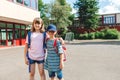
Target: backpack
x,y
56,49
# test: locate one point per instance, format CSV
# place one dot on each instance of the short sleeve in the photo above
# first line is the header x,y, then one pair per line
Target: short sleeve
x,y
60,50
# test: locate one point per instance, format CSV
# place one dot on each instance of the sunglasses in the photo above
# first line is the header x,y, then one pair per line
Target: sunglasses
x,y
51,31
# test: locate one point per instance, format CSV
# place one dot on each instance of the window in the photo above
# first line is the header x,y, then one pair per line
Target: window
x,y
27,3
2,36
17,26
109,20
34,4
9,25
17,34
23,27
3,33
10,0
10,34
23,34
2,25
20,1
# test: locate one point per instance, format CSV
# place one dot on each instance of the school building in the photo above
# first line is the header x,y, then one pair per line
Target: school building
x,y
111,20
15,17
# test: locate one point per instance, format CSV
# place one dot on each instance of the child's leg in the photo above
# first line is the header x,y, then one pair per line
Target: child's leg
x,y
41,71
32,71
53,78
60,75
51,75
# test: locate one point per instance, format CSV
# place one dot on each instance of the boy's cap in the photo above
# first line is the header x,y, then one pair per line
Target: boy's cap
x,y
51,27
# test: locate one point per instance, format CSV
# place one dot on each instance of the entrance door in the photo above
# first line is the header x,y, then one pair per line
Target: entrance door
x,y
3,37
17,37
10,37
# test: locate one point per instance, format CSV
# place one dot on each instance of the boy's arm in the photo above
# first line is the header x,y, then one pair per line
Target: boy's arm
x,y
61,61
60,51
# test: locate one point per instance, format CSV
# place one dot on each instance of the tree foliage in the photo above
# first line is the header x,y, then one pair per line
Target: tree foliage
x,y
43,8
60,12
57,12
87,13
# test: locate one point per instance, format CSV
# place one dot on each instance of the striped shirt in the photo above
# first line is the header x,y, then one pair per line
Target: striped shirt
x,y
52,61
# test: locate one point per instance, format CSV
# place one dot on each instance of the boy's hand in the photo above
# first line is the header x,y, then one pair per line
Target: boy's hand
x,y
61,65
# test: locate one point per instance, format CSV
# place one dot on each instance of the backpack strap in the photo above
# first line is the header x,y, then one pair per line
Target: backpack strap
x,y
44,40
55,45
29,39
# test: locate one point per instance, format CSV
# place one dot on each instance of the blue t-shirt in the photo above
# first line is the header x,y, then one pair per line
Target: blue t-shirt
x,y
52,61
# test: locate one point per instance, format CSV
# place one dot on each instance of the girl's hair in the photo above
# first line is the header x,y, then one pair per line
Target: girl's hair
x,y
38,21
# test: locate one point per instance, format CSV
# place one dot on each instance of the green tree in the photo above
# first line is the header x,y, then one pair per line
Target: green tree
x,y
60,12
43,8
87,13
62,2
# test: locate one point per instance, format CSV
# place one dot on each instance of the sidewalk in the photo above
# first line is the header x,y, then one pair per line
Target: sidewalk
x,y
96,41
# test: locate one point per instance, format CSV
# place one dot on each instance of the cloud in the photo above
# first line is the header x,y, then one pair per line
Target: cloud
x,y
109,9
111,6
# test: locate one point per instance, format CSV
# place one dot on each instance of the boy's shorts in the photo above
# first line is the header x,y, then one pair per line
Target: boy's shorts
x,y
59,74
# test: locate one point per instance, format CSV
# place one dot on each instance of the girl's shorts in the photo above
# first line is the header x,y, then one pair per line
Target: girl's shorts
x,y
59,74
35,61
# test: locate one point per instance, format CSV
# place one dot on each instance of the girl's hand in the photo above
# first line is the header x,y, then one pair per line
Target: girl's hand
x,y
61,65
61,40
26,61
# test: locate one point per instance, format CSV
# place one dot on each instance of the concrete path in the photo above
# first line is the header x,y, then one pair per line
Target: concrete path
x,y
87,60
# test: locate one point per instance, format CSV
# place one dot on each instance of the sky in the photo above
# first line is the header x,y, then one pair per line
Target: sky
x,y
105,6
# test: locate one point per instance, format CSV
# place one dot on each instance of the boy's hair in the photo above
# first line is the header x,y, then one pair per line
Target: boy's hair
x,y
38,20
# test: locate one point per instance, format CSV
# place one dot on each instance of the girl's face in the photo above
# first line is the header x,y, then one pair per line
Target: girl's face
x,y
37,26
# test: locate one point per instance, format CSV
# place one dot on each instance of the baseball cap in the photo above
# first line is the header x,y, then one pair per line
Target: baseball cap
x,y
51,27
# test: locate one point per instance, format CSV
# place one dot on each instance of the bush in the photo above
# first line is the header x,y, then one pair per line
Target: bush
x,y
83,36
76,36
104,34
101,35
91,36
111,34
97,34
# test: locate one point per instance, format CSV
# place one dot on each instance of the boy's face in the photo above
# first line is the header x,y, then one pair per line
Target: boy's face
x,y
51,33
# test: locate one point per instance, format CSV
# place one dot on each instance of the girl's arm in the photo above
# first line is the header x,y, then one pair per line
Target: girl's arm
x,y
26,50
61,40
25,53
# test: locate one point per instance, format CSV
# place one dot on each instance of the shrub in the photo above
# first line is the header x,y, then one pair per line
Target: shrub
x,y
111,34
76,36
91,35
83,36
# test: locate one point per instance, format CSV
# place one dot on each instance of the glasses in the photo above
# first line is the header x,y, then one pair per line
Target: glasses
x,y
51,31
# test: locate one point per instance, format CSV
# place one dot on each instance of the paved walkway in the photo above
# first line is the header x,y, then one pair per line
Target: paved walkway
x,y
87,60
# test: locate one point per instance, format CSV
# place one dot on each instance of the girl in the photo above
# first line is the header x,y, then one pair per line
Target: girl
x,y
36,51
54,60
